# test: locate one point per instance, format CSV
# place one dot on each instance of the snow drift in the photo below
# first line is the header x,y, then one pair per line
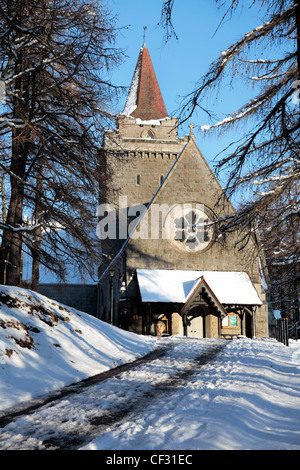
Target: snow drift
x,y
45,346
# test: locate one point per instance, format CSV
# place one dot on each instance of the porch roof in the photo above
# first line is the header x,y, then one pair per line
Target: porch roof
x,y
176,286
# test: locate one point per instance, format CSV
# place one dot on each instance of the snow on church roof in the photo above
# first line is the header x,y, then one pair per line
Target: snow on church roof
x,y
230,287
131,102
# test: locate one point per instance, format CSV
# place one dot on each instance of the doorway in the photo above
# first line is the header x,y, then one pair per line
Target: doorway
x,y
195,324
248,325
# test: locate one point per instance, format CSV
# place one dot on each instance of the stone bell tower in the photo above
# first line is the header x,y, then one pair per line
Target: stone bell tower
x,y
144,145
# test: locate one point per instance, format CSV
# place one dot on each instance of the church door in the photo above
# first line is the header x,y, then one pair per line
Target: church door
x,y
195,327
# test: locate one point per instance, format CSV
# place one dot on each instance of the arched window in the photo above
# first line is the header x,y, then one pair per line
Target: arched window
x,y
138,180
161,179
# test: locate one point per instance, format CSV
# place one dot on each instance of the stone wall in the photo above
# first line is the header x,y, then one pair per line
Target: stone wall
x,y
137,161
79,296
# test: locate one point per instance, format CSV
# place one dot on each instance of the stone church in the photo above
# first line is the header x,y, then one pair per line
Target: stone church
x,y
164,259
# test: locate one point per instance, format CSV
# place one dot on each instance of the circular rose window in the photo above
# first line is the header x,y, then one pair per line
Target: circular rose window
x,y
190,227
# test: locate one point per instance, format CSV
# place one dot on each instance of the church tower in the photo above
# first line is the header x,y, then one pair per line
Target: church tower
x,y
166,260
142,148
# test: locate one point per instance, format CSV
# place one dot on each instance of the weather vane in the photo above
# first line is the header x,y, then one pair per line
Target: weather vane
x,y
145,27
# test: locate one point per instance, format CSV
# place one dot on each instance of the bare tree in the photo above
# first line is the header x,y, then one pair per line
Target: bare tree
x,y
281,242
3,197
265,160
55,60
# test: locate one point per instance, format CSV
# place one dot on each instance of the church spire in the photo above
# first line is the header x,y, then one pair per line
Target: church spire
x,y
144,100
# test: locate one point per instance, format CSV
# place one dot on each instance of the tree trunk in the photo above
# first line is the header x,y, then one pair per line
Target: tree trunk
x,y
36,250
3,196
11,249
12,240
35,280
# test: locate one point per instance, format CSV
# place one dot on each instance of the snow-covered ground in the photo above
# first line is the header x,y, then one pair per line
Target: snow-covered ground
x,y
247,397
45,346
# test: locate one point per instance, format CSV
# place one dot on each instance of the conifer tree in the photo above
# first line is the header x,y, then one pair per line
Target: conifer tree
x,y
55,59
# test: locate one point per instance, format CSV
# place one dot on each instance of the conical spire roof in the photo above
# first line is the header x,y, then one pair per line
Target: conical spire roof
x,y
144,99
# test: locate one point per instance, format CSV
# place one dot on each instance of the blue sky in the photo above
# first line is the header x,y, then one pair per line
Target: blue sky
x,y
180,63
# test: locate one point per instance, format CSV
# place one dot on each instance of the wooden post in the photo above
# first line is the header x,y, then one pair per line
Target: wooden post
x,y
254,323
285,335
184,325
148,315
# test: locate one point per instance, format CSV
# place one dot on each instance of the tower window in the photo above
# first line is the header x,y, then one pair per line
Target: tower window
x,y
151,134
138,180
161,179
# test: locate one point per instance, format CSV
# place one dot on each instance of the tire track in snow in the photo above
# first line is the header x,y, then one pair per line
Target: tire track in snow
x,y
19,411
76,431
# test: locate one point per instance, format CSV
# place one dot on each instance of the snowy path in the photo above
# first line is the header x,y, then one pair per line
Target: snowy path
x,y
74,420
201,394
